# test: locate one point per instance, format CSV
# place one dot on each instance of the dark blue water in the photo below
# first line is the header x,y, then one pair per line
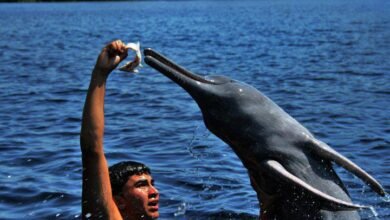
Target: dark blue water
x,y
326,63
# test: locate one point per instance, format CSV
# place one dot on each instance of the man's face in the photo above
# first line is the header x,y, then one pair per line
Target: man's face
x,y
140,197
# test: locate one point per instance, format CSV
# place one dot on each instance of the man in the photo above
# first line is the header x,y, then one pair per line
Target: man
x,y
131,193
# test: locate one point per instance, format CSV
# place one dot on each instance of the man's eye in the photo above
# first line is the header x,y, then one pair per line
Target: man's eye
x,y
141,184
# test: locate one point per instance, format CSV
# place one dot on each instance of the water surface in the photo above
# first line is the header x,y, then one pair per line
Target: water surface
x,y
326,63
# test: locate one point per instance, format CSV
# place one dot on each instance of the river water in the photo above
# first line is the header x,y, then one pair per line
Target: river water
x,y
325,62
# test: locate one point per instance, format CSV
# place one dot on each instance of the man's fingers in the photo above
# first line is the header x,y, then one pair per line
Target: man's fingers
x,y
113,48
117,48
122,50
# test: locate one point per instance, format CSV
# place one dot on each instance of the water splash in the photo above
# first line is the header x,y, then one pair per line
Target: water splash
x,y
181,210
374,212
363,187
200,133
386,198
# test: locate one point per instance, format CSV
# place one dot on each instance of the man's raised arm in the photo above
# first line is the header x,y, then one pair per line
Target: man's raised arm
x,y
97,200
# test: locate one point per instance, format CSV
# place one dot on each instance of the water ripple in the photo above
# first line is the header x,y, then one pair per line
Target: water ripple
x,y
325,62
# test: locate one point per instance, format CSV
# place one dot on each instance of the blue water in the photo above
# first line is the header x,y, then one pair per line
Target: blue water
x,y
325,62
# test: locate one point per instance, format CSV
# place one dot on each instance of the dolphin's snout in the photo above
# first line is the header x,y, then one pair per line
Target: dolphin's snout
x,y
171,69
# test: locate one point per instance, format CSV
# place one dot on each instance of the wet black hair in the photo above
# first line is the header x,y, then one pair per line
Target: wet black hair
x,y
122,171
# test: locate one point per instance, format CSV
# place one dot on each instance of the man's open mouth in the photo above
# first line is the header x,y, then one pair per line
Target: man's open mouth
x,y
153,205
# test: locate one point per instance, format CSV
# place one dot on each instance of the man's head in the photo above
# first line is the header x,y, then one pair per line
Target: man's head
x,y
133,190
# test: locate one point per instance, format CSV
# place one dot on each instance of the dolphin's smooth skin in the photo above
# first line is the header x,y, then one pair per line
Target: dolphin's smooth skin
x,y
289,168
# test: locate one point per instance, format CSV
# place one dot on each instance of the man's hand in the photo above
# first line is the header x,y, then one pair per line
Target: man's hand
x,y
110,57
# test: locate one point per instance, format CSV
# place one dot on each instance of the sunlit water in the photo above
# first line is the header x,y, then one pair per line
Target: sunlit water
x,y
327,64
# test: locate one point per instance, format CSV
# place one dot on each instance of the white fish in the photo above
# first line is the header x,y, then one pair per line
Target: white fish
x,y
132,65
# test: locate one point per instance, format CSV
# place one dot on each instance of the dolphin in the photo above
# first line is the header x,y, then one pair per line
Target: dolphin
x,y
290,170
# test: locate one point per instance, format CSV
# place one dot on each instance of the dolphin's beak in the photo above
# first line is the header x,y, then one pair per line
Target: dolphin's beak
x,y
185,78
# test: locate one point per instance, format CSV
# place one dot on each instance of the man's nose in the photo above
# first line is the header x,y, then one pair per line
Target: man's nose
x,y
153,192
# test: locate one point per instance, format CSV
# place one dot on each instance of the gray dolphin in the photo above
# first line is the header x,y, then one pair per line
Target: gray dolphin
x,y
289,168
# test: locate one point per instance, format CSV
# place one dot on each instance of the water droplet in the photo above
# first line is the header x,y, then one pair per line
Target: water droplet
x,y
373,211
58,214
181,210
363,189
88,215
386,198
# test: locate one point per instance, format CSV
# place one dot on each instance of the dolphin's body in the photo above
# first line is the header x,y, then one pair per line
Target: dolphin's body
x,y
290,169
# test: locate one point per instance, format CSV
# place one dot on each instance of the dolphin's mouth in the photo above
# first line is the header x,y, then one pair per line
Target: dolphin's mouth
x,y
172,70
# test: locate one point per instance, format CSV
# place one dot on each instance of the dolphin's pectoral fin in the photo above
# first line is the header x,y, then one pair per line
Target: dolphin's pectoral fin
x,y
327,201
326,152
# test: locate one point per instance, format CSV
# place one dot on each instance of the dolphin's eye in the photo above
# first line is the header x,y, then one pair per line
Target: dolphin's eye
x,y
218,79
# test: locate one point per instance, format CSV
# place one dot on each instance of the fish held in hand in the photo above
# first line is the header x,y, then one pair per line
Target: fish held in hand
x,y
131,66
